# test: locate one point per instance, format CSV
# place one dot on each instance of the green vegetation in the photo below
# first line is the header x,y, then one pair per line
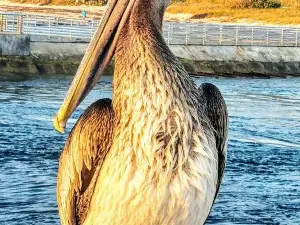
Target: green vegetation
x,y
260,4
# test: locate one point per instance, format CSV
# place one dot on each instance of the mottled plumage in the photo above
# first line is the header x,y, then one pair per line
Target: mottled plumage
x,y
157,155
81,160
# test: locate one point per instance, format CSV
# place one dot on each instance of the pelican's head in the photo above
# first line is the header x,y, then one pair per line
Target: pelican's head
x,y
102,48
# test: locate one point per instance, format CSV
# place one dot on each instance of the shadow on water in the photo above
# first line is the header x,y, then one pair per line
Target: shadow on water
x,y
262,180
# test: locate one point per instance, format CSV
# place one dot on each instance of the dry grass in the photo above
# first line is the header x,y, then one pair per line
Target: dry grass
x,y
291,3
289,13
225,10
49,2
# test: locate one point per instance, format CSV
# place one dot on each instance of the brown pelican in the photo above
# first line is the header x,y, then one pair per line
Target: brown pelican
x,y
156,153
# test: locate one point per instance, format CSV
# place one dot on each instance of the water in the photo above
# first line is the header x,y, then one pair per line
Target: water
x,y
262,182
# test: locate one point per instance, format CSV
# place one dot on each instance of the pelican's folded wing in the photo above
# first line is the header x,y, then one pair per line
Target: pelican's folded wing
x,y
216,111
81,161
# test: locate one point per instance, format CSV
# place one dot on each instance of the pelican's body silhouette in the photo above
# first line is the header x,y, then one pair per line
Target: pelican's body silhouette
x,y
156,153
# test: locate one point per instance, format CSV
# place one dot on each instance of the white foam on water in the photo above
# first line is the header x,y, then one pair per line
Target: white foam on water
x,y
269,141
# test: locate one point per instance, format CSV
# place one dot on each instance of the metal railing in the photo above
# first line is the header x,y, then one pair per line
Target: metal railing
x,y
231,35
174,33
10,23
48,26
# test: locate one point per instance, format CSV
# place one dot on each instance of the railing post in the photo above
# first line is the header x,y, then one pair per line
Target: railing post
x,y
27,19
20,24
204,35
171,33
237,36
252,35
71,27
1,23
267,36
168,35
282,36
297,33
92,30
56,24
221,34
5,22
186,34
49,27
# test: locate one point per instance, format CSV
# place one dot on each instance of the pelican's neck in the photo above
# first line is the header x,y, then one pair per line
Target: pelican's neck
x,y
144,64
143,32
154,99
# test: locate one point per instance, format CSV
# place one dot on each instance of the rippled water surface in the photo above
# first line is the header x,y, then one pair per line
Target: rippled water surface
x,y
262,182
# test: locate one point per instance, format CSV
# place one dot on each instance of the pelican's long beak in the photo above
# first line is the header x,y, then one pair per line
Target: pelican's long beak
x,y
97,57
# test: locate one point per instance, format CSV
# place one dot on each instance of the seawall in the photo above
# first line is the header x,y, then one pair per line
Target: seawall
x,y
43,55
240,60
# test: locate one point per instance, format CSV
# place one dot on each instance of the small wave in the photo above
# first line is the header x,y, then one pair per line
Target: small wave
x,y
267,141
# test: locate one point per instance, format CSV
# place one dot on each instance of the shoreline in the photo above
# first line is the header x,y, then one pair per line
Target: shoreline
x,y
44,66
21,55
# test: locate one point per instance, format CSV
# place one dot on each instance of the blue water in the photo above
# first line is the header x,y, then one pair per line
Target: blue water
x,y
262,181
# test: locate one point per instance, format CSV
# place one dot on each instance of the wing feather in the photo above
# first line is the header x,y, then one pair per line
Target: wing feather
x,y
81,160
216,110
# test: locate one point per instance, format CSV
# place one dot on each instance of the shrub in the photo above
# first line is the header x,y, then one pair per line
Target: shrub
x,y
265,4
175,1
260,4
242,4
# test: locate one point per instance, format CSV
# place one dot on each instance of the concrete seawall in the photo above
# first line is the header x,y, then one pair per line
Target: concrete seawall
x,y
14,45
240,60
40,55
